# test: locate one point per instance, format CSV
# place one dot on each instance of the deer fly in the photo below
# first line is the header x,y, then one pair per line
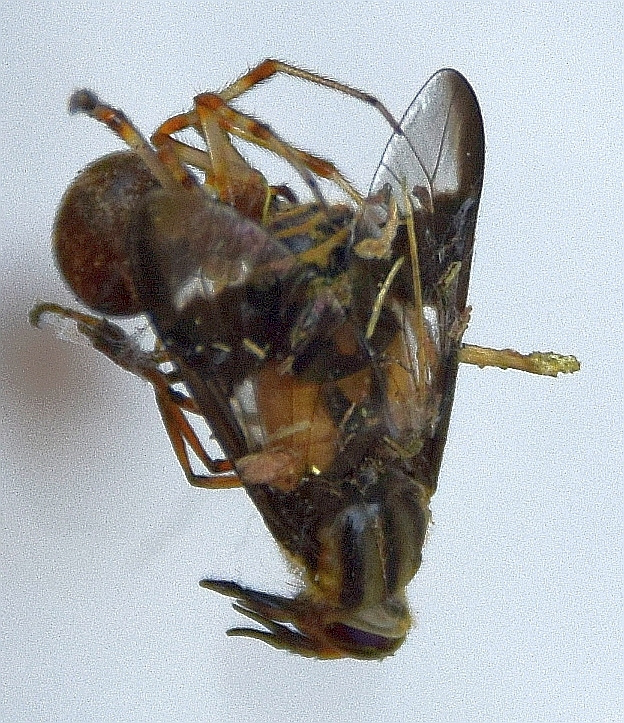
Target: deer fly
x,y
319,341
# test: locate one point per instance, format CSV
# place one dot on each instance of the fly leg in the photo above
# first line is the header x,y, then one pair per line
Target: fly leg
x,y
538,362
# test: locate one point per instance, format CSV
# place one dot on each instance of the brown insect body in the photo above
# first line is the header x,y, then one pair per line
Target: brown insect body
x,y
319,342
336,434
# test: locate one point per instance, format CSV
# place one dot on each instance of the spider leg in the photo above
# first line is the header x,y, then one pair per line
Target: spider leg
x,y
163,164
123,350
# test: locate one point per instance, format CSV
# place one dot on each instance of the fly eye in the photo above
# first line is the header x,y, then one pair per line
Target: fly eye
x,y
361,642
90,231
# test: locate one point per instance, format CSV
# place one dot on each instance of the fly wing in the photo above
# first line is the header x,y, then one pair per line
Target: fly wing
x,y
438,158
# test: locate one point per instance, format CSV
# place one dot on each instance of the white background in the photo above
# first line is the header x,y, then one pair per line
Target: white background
x,y
518,605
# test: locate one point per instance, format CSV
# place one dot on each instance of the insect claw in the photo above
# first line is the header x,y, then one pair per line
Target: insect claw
x,y
277,635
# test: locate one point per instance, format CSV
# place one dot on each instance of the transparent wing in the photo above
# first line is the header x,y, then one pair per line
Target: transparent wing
x,y
437,159
441,148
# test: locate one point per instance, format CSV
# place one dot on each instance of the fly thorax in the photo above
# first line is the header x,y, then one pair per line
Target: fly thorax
x,y
356,571
351,569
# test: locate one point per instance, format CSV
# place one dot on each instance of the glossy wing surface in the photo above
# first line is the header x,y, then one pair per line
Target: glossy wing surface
x,y
441,147
437,161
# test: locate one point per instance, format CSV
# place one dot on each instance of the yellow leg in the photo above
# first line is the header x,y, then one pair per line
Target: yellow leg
x,y
544,363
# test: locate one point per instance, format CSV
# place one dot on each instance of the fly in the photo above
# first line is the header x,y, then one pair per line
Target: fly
x,y
320,342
